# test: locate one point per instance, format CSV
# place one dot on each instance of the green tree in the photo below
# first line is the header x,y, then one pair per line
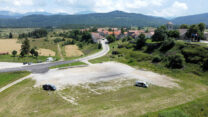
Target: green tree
x,y
22,54
36,54
160,34
195,29
10,35
14,53
99,46
141,41
87,37
32,51
25,48
184,26
111,38
173,34
122,31
202,27
167,45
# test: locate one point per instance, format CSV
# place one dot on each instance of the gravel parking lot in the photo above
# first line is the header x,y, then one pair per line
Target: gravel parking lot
x,y
100,73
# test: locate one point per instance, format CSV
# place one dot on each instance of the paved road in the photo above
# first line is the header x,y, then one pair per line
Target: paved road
x,y
42,68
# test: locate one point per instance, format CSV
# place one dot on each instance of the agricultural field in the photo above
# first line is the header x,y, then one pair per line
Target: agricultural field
x,y
8,45
46,46
72,51
4,32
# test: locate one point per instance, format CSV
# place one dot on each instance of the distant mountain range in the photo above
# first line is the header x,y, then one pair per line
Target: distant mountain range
x,y
115,18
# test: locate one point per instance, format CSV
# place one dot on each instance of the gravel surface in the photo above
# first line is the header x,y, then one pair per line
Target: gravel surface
x,y
4,65
98,73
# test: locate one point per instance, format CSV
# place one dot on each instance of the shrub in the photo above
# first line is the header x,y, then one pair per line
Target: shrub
x,y
120,46
156,59
195,54
152,46
205,65
167,45
115,53
175,61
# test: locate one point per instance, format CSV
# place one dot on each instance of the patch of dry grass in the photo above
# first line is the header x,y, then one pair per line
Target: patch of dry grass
x,y
46,52
8,45
73,51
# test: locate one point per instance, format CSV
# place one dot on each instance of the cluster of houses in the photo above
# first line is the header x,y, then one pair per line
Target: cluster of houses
x,y
103,32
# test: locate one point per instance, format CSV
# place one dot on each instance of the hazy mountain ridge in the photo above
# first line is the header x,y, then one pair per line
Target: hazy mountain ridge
x,y
114,18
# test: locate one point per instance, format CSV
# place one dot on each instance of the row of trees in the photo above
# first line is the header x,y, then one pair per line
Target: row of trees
x,y
38,33
162,34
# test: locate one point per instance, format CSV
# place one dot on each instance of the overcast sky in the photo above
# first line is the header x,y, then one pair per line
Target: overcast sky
x,y
164,8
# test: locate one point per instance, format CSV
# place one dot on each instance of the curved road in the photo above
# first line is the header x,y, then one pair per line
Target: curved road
x,y
42,68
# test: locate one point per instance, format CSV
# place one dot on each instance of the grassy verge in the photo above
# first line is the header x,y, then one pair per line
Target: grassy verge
x,y
9,58
6,78
196,108
67,65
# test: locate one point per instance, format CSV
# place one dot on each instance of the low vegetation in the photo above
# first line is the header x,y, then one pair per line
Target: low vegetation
x,y
6,78
68,65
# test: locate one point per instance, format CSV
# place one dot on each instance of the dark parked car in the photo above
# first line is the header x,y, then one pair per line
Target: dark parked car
x,y
141,84
49,87
25,63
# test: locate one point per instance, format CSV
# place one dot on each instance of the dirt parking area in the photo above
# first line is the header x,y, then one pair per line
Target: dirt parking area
x,y
101,72
8,45
73,51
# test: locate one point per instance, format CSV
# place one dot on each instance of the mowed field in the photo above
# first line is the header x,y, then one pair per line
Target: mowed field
x,y
73,51
8,45
104,99
46,52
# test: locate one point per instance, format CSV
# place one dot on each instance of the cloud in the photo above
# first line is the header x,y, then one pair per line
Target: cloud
x,y
109,5
177,9
151,7
18,2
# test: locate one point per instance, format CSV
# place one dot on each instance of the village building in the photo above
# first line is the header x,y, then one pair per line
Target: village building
x,y
182,33
169,26
96,37
135,33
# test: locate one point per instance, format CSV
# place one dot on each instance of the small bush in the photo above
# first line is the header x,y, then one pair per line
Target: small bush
x,y
175,61
173,113
115,53
167,45
156,59
120,46
205,65
152,46
99,46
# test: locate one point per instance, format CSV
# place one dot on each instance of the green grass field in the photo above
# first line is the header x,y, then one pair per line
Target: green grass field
x,y
10,58
6,78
